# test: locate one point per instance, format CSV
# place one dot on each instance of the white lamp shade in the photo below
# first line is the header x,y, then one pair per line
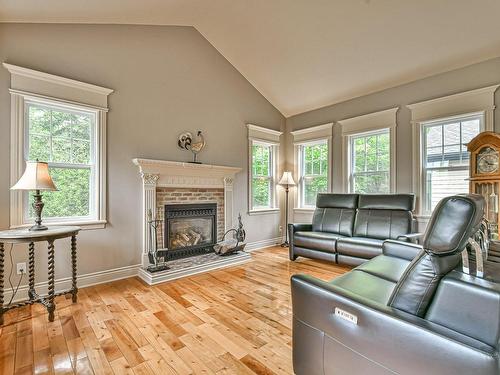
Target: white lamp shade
x,y
287,179
35,177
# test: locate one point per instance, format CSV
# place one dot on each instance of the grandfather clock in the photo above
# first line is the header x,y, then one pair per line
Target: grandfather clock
x,y
485,174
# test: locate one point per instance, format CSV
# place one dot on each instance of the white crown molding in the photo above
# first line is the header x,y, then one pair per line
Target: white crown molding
x,y
370,121
30,73
264,130
313,129
490,90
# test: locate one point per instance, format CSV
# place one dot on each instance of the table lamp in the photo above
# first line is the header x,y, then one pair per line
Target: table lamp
x,y
286,181
36,177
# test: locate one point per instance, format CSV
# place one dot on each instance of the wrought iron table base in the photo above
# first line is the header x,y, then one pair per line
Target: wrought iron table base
x,y
33,296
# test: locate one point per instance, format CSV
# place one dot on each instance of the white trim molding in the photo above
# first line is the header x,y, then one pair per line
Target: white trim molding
x,y
29,85
263,134
366,124
479,100
85,280
473,102
164,173
310,135
267,137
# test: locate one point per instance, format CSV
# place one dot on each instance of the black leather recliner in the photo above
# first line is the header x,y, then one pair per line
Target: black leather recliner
x,y
350,228
407,311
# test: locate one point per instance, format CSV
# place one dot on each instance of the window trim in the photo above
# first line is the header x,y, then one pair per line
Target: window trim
x,y
423,180
272,178
365,124
299,164
271,137
350,154
34,86
450,107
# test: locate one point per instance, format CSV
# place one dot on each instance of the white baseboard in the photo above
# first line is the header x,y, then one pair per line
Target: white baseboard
x,y
64,283
262,244
114,274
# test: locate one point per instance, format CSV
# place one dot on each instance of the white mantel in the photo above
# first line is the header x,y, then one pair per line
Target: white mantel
x,y
164,173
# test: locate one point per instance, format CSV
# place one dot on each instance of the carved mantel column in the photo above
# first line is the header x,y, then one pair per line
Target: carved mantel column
x,y
228,203
149,182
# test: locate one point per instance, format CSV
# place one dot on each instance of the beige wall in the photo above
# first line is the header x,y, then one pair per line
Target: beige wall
x,y
166,80
468,78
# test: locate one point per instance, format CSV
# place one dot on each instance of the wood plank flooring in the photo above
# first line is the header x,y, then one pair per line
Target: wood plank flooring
x,y
231,321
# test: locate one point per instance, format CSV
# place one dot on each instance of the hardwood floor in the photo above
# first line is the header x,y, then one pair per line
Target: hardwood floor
x,y
231,321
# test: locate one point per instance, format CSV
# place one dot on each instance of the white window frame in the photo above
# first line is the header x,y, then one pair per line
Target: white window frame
x,y
302,176
445,108
444,121
370,123
350,156
317,133
30,86
258,135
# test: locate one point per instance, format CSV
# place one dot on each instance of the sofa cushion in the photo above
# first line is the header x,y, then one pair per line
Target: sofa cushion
x,y
401,202
386,267
335,213
382,224
321,241
366,285
360,247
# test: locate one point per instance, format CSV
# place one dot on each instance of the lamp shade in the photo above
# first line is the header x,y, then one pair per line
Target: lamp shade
x,y
35,177
287,179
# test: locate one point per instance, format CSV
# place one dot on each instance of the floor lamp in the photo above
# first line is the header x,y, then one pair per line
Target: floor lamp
x,y
286,181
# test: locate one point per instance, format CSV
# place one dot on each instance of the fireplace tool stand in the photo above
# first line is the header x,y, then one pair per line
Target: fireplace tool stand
x,y
157,263
228,247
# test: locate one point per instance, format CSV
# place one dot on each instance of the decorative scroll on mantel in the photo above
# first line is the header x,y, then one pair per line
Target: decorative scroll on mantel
x,y
178,174
164,173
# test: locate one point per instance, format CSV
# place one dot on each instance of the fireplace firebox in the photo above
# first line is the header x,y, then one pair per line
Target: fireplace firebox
x,y
189,229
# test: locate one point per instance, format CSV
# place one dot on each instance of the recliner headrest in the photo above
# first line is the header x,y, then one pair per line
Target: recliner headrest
x,y
453,221
328,200
403,202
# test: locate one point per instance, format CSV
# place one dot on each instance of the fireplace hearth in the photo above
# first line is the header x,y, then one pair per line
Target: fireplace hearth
x,y
189,229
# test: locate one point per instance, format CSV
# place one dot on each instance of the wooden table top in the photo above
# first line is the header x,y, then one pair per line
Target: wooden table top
x,y
25,235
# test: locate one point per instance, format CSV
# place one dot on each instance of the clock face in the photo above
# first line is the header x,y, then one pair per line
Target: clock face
x,y
487,161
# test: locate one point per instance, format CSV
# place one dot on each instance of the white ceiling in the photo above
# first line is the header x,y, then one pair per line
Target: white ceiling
x,y
305,54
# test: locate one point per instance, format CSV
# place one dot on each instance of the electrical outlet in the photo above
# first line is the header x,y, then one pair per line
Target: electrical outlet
x,y
280,228
21,268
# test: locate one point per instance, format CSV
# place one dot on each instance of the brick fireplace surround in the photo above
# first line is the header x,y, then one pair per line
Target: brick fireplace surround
x,y
165,182
190,195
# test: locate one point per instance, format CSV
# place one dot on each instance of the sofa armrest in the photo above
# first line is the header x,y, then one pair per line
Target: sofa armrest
x,y
382,338
411,237
400,249
296,227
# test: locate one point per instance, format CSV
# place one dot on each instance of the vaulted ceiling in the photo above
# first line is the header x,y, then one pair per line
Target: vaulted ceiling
x,y
305,54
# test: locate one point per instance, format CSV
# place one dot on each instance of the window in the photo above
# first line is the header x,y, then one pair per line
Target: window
x,y
370,162
65,138
62,122
263,162
445,157
313,176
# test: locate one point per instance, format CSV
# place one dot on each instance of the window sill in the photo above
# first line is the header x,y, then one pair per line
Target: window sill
x,y
264,211
305,210
85,225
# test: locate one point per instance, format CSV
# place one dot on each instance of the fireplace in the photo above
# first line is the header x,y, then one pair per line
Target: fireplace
x,y
189,229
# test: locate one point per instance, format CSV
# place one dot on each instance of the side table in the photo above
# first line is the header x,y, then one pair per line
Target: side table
x,y
17,236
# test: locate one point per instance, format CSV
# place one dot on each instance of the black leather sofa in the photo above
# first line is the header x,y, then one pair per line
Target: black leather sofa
x,y
407,311
350,228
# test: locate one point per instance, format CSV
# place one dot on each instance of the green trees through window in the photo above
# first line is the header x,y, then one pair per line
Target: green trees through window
x,y
262,176
370,163
314,171
64,139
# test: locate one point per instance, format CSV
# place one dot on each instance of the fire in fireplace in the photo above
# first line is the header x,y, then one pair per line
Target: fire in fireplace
x,y
190,229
